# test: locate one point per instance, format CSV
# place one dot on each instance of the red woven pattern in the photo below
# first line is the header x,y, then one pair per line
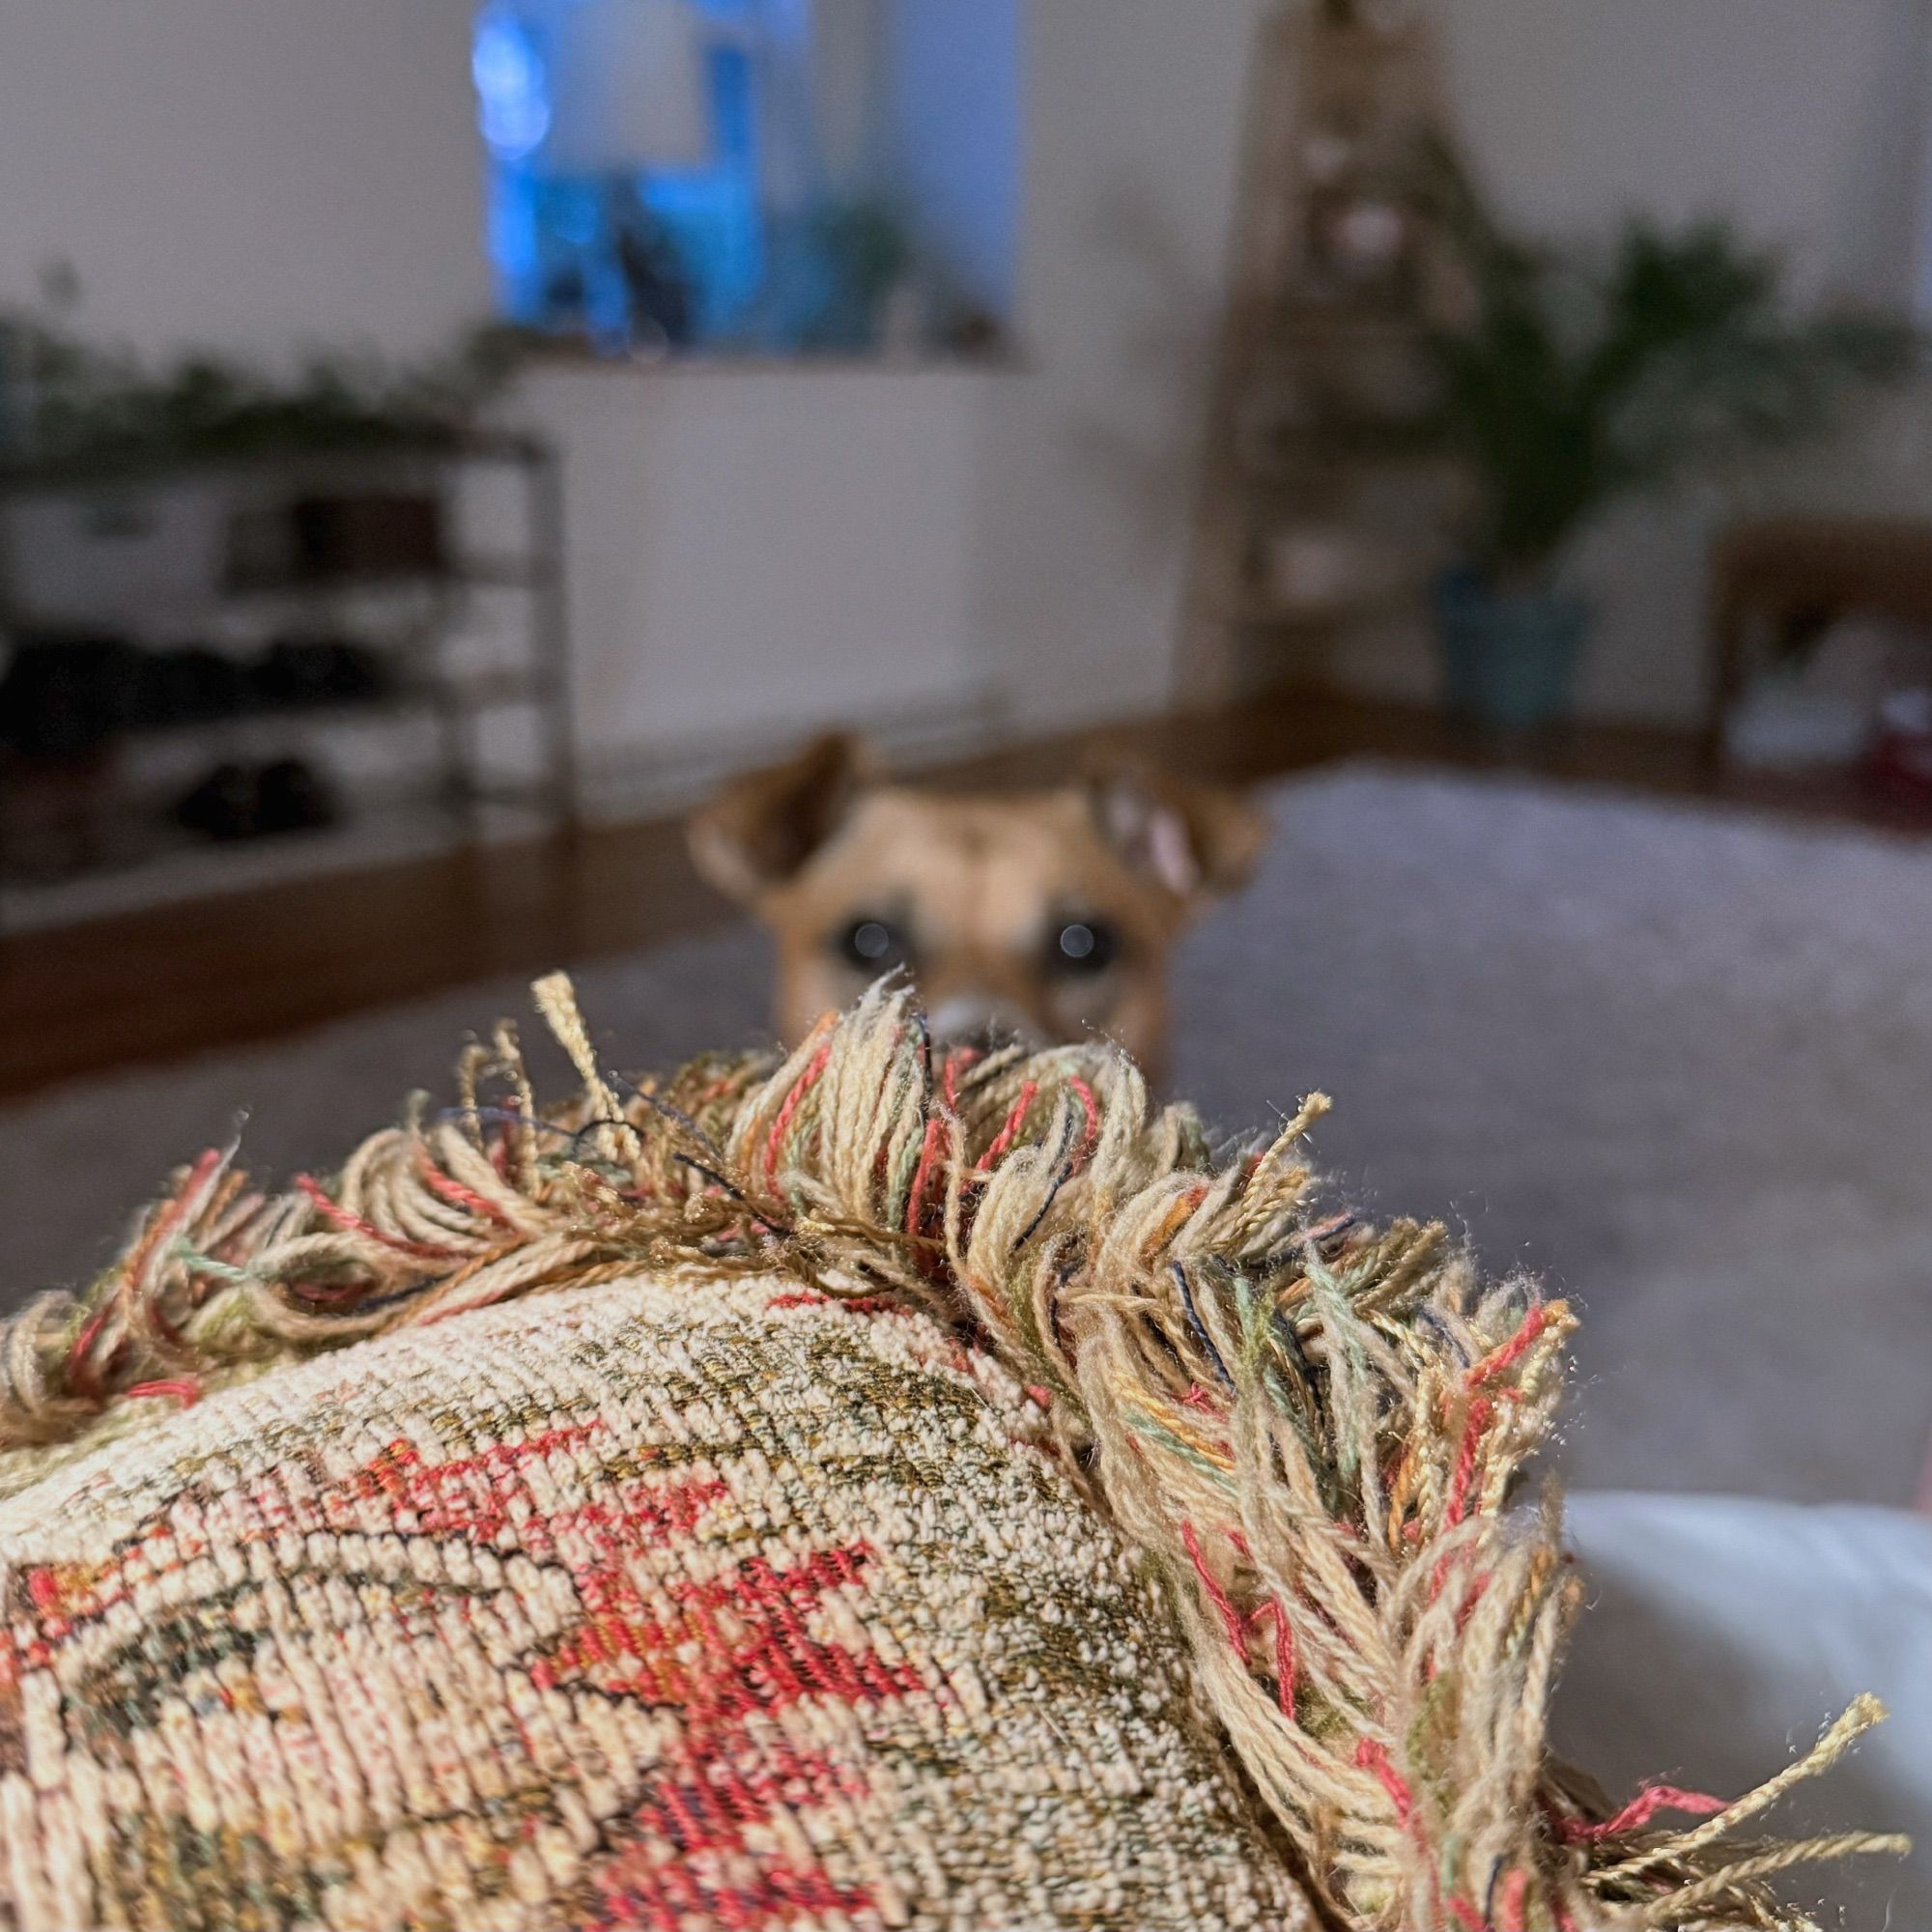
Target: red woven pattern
x,y
613,1609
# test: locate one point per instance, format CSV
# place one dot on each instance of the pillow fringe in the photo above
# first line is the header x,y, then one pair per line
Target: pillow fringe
x,y
1316,1428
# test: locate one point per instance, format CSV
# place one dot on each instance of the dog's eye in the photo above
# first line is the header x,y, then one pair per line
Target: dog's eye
x,y
1083,946
873,946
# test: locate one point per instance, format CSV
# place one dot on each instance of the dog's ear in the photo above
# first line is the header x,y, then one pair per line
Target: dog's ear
x,y
1194,839
764,827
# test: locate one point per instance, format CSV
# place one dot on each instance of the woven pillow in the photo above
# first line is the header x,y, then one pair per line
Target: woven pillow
x,y
885,1489
659,1603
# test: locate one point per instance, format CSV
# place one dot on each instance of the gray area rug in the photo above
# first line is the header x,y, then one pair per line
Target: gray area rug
x,y
1680,1061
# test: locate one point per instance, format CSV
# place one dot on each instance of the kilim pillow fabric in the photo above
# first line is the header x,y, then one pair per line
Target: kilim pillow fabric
x,y
888,1486
662,1603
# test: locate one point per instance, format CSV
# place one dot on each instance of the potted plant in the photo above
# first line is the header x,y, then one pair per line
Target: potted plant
x,y
1566,381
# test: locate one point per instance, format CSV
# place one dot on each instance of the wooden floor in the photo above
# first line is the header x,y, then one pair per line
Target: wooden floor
x,y
248,965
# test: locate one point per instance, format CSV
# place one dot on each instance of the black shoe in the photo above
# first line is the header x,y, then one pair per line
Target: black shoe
x,y
236,802
301,672
190,686
224,806
292,796
64,697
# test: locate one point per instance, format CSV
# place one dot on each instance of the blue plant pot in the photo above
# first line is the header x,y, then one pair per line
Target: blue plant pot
x,y
1509,657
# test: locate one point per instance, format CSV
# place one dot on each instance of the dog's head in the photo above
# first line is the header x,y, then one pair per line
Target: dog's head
x,y
1044,914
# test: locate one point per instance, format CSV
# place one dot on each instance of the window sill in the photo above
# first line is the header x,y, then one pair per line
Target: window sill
x,y
560,355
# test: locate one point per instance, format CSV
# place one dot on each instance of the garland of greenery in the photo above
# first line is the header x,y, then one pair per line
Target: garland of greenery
x,y
71,404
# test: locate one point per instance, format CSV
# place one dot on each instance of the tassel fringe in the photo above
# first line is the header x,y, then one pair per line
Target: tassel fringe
x,y
1316,1428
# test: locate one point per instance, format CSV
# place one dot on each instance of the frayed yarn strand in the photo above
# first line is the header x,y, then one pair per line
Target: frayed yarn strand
x,y
1314,1427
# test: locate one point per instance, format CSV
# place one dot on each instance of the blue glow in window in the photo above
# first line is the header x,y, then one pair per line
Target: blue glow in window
x,y
711,213
672,255
512,100
743,232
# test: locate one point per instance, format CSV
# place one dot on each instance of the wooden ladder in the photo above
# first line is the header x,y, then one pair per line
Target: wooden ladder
x,y
1306,522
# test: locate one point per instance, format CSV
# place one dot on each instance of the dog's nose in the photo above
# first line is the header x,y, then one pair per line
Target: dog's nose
x,y
988,1037
985,1024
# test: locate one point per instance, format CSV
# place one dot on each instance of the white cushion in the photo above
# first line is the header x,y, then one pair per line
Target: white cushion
x,y
1725,1632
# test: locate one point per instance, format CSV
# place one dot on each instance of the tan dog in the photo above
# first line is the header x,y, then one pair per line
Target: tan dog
x,y
1044,915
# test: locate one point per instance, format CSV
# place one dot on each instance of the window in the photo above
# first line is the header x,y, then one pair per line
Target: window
x,y
750,174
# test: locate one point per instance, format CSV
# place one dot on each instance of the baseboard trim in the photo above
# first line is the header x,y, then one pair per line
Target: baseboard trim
x,y
624,783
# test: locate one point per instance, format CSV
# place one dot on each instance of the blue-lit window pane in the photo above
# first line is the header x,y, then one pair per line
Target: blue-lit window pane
x,y
673,254
711,216
755,226
733,124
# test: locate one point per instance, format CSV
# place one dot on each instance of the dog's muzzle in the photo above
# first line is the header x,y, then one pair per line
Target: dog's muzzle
x,y
984,1023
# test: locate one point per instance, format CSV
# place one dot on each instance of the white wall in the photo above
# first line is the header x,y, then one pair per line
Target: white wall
x,y
754,553
1131,135
749,549
761,548
1805,120
1797,120
953,142
756,548
251,173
